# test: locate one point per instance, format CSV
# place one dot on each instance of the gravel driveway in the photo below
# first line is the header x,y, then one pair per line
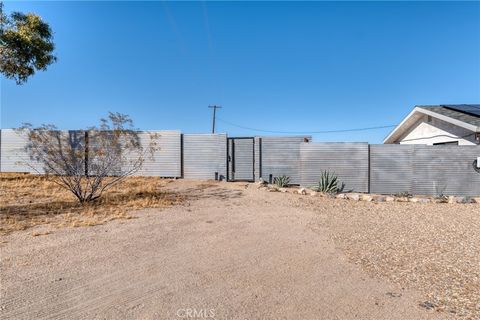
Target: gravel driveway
x,y
229,252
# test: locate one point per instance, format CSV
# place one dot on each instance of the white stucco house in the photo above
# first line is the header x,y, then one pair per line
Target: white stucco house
x,y
436,125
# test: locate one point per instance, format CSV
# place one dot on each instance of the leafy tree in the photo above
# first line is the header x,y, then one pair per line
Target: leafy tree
x,y
26,45
88,162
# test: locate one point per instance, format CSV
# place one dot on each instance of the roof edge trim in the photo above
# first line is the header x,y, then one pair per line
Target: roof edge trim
x,y
391,137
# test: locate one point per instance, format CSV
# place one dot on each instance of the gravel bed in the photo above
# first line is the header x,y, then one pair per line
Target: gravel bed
x,y
431,247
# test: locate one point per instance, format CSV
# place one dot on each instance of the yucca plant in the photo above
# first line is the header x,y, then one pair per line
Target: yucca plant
x,y
282,181
328,183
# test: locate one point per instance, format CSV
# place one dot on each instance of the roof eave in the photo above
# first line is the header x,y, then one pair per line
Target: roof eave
x,y
395,132
391,138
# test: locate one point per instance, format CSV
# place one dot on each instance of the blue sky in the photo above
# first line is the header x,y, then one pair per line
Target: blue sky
x,y
281,66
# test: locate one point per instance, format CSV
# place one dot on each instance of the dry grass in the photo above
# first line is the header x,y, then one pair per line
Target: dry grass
x,y
30,200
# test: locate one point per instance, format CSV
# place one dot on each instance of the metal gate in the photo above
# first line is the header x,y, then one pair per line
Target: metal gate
x,y
241,159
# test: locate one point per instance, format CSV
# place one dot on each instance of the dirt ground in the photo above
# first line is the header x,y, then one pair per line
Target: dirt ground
x,y
231,251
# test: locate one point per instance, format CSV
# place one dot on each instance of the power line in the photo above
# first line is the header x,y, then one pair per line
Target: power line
x,y
440,136
306,132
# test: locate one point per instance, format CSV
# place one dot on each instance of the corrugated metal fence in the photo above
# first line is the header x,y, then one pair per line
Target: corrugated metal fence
x,y
164,162
387,169
241,153
278,156
204,155
13,156
420,169
166,159
391,168
349,161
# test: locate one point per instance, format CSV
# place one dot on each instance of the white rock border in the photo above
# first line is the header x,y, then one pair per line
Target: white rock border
x,y
370,197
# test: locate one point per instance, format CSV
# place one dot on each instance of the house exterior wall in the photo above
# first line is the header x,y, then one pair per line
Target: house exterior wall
x,y
436,131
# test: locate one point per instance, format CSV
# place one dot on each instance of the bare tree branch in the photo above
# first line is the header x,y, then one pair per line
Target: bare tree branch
x,y
87,167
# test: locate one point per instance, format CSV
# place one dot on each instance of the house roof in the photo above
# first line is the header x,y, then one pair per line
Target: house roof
x,y
457,111
463,115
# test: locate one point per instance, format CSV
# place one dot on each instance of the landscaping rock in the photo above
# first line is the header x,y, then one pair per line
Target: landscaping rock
x,y
379,198
419,200
313,193
353,196
283,190
366,197
389,199
302,191
463,199
453,199
428,305
440,199
476,200
424,200
261,184
341,196
394,294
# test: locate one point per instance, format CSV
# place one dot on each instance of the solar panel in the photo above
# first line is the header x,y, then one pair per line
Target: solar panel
x,y
473,109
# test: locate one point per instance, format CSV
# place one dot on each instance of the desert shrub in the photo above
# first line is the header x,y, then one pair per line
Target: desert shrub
x,y
88,162
282,181
403,194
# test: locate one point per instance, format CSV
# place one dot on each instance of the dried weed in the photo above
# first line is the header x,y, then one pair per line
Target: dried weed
x,y
30,200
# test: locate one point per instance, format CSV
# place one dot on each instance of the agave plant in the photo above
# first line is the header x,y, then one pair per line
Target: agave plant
x,y
282,181
328,183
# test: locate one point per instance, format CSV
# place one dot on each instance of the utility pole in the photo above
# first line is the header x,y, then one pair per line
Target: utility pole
x,y
214,107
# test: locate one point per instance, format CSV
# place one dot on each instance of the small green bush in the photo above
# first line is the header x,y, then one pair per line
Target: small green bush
x,y
329,183
282,181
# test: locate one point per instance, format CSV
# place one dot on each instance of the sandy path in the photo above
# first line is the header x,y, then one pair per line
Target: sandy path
x,y
240,254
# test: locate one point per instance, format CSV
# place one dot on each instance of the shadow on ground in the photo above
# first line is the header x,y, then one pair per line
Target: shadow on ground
x,y
207,191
